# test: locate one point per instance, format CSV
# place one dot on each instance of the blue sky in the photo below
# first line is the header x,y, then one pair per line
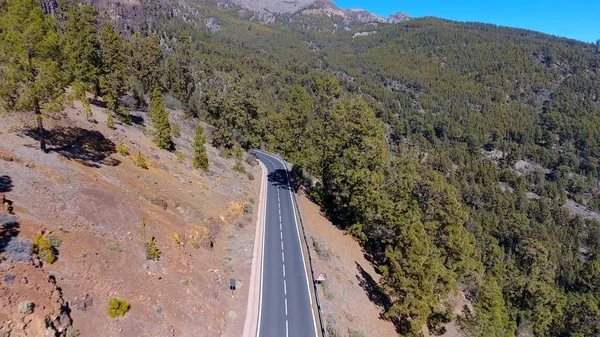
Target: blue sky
x,y
576,19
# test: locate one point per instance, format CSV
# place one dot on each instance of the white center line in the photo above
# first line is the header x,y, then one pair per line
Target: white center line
x,y
286,327
284,288
282,258
281,244
280,226
286,306
284,270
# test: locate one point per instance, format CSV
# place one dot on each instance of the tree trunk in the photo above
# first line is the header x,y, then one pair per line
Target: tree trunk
x,y
40,127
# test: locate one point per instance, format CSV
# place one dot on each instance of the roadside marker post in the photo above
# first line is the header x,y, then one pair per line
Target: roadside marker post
x,y
232,285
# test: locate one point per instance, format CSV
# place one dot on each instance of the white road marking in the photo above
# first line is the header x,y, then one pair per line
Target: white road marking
x,y
299,241
262,257
283,270
281,244
280,226
279,218
284,287
281,234
282,258
286,328
286,306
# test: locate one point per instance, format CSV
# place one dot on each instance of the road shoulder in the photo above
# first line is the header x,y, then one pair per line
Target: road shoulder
x,y
254,290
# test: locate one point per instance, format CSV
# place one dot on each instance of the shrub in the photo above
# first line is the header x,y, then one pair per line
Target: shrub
x,y
140,161
26,307
332,328
72,332
43,249
123,116
250,176
9,278
117,307
114,247
239,168
110,123
122,149
172,102
152,252
251,160
327,291
356,333
175,133
247,208
7,219
176,239
54,240
18,250
180,157
323,252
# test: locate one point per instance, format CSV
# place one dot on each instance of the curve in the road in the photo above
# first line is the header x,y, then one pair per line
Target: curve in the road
x,y
285,307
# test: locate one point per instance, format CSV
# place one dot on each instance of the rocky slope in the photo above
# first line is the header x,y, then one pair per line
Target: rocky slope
x,y
92,199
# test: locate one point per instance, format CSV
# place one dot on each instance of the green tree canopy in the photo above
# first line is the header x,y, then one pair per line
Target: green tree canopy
x,y
30,61
113,81
160,121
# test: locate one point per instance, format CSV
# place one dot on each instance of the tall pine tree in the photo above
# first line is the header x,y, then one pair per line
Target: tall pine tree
x,y
32,76
146,60
113,81
160,121
200,160
82,47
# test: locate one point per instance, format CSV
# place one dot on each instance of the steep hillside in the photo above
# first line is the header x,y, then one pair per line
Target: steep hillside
x,y
462,157
92,199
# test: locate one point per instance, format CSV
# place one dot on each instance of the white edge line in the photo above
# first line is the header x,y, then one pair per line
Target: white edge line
x,y
262,253
301,249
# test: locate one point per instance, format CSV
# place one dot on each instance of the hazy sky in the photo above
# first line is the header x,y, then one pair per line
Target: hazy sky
x,y
577,19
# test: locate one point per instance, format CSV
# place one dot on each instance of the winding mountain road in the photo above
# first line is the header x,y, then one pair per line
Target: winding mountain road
x,y
285,305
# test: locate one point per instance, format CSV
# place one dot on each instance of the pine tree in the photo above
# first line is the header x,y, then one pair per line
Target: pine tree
x,y
146,60
113,81
82,47
491,314
160,121
200,160
32,77
179,76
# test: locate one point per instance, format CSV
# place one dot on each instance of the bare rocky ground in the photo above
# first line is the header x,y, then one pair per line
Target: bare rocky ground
x,y
353,303
93,199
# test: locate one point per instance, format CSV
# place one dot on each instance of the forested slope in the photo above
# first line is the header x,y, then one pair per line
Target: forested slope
x,y
407,138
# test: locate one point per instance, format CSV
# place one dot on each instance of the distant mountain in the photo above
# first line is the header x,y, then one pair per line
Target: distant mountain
x,y
311,7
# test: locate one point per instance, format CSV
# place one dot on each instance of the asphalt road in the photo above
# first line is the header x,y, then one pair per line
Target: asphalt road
x,y
285,307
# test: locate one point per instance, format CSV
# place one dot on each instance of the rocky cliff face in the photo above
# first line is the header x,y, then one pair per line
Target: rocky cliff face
x,y
398,17
279,6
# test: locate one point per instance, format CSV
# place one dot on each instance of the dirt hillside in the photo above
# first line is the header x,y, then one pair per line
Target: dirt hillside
x,y
353,303
90,200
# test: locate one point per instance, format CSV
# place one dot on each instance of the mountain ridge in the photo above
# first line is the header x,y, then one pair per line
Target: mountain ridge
x,y
327,7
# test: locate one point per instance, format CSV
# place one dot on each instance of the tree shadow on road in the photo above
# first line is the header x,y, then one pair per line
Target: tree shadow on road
x,y
88,147
6,184
279,178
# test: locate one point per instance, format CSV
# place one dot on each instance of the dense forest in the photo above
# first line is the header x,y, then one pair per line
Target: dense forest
x,y
413,139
